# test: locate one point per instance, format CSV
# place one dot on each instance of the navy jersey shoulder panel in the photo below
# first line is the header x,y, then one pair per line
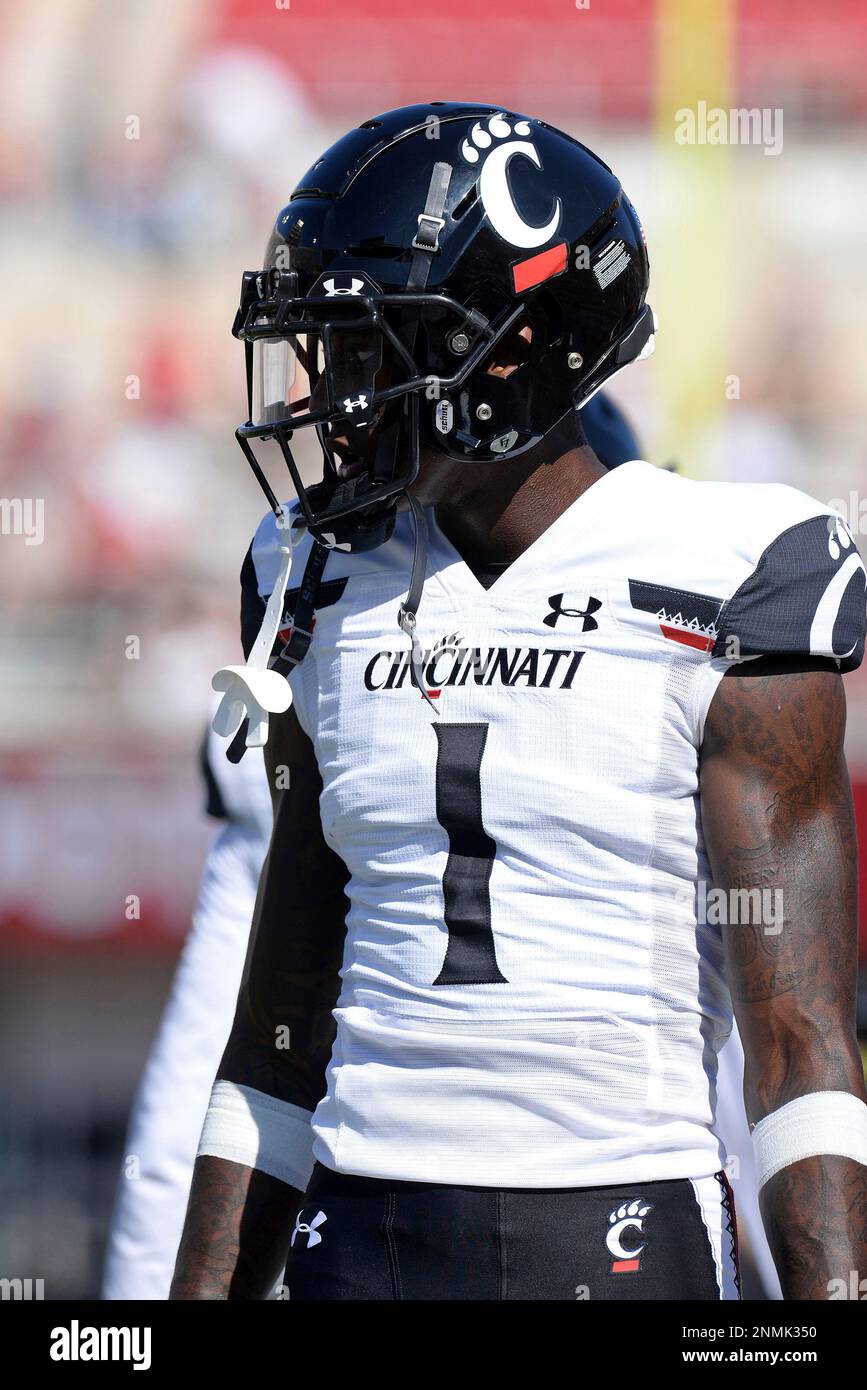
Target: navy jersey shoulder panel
x,y
214,804
252,604
806,596
328,591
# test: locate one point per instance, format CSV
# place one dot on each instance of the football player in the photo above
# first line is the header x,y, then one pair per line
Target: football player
x,y
172,1097
561,761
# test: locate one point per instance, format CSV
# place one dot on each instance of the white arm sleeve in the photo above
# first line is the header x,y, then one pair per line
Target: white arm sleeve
x,y
260,1131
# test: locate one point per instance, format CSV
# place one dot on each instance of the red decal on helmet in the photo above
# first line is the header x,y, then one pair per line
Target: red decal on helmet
x,y
536,269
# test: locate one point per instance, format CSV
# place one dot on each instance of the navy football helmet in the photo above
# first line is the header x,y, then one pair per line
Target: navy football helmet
x,y
448,277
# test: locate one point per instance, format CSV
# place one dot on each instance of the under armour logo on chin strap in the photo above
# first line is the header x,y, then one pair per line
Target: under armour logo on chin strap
x,y
360,403
588,624
308,1229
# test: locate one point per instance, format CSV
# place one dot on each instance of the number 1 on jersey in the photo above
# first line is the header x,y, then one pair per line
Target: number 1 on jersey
x,y
471,957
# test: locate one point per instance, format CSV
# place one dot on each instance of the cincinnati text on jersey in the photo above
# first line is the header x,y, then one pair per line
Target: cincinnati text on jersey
x,y
448,663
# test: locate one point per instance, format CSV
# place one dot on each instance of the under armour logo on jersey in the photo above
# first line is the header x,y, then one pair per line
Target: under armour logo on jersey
x,y
589,624
494,191
360,403
309,1229
332,288
628,1217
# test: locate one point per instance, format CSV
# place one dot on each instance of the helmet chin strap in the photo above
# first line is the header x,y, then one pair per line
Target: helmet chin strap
x,y
406,614
425,246
253,691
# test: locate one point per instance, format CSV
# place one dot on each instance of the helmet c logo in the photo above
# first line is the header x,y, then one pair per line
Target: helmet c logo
x,y
497,201
494,189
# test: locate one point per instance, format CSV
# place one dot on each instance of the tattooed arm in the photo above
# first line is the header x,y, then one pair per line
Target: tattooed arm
x,y
777,815
236,1234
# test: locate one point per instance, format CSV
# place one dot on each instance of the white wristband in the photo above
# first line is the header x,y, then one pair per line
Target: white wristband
x,y
826,1122
259,1131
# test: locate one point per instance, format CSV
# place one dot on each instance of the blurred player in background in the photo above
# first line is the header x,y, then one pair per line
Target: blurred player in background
x,y
172,1097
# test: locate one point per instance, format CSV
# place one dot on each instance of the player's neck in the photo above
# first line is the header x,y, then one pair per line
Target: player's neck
x,y
497,523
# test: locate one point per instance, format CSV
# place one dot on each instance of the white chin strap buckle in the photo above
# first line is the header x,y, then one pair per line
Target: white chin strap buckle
x,y
253,691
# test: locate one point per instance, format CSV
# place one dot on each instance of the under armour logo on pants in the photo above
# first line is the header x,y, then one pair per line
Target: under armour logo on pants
x,y
308,1229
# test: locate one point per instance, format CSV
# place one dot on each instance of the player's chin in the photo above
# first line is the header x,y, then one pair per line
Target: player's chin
x,y
349,467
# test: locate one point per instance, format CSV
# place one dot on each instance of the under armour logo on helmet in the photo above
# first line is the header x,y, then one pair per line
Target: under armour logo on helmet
x,y
360,403
331,288
308,1229
588,624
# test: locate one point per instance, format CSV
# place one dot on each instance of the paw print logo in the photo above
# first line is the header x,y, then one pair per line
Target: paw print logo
x,y
498,128
493,145
839,537
627,1217
451,643
437,672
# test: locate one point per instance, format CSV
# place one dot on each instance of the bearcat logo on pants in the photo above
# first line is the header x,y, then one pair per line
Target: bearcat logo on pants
x,y
628,1217
451,663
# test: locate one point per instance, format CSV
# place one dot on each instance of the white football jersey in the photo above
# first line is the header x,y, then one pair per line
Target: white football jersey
x,y
530,995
